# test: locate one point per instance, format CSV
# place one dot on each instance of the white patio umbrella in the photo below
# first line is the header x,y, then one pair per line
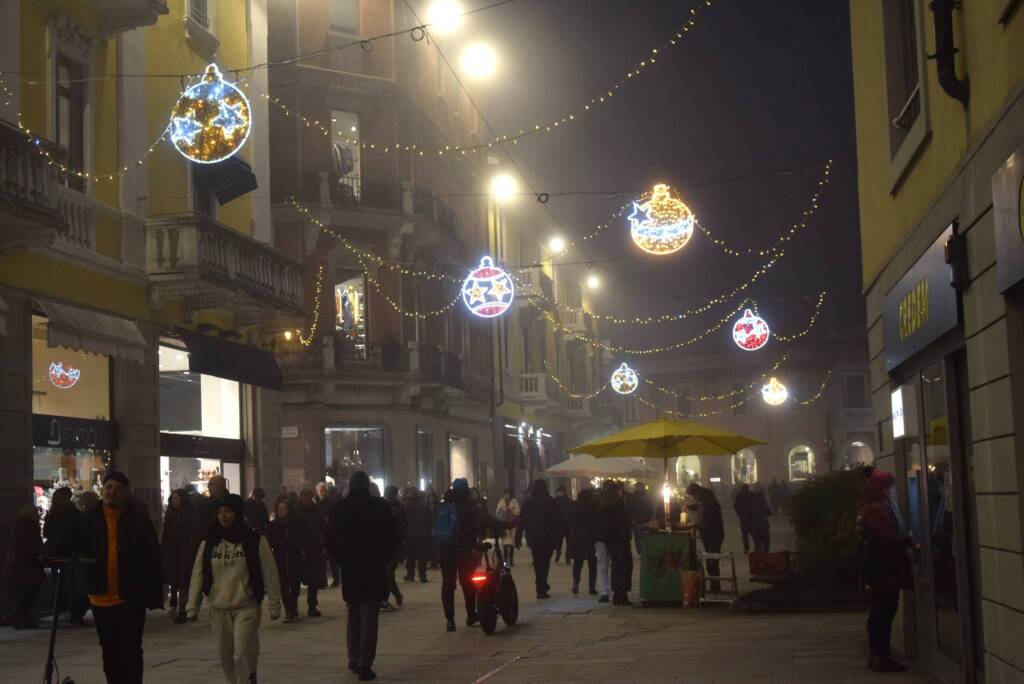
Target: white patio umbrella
x,y
585,465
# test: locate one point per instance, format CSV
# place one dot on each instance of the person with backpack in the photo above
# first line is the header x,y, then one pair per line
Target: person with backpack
x,y
457,527
542,523
235,569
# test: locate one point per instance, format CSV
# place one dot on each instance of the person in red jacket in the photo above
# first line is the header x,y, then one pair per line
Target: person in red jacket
x,y
885,563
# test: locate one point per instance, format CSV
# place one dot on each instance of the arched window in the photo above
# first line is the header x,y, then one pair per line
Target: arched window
x,y
801,463
744,467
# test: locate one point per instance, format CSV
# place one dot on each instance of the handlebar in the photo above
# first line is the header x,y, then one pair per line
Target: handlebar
x,y
56,561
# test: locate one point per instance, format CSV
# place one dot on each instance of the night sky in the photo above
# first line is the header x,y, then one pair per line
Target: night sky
x,y
755,87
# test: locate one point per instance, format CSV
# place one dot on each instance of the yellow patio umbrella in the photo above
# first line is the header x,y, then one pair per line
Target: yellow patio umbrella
x,y
667,439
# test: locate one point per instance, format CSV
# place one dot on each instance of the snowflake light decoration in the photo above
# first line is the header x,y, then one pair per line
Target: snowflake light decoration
x,y
750,332
487,291
624,380
63,378
661,224
774,393
212,119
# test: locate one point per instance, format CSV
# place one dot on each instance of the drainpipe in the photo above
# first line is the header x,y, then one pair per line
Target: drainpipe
x,y
945,51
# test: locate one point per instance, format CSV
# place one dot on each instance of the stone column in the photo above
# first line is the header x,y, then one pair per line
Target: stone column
x,y
15,408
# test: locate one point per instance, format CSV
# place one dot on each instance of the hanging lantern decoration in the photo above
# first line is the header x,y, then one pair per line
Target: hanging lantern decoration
x,y
624,380
774,393
212,119
487,291
661,224
750,332
63,378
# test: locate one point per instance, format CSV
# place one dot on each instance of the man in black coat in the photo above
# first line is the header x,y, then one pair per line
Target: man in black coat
x,y
62,520
363,538
420,525
564,504
614,530
126,578
541,522
741,504
711,527
313,526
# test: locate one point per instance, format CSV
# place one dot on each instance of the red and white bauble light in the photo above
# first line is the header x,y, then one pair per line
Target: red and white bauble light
x,y
750,332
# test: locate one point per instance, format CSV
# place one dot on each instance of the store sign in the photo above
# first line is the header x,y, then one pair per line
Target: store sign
x,y
898,426
1008,211
72,433
64,377
289,431
922,307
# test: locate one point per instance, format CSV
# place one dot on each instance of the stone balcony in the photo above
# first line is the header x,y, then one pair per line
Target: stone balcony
x,y
853,419
124,15
29,211
579,407
575,321
534,286
195,258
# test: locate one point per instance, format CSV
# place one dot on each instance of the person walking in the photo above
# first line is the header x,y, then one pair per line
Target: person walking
x,y
325,496
419,524
641,511
391,496
615,531
884,544
126,578
313,529
582,533
256,514
235,569
433,501
61,522
757,521
23,568
508,511
741,504
362,540
285,539
178,545
541,523
564,504
710,526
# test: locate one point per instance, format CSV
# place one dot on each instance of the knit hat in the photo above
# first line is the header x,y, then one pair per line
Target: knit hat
x,y
232,501
882,479
460,484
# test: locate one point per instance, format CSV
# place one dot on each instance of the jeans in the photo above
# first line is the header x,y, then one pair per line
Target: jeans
x,y
622,568
120,631
883,610
457,564
541,567
577,570
417,555
603,566
361,634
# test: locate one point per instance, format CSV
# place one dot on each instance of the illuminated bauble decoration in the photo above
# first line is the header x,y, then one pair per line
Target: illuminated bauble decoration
x,y
624,380
212,119
64,378
774,393
661,224
487,291
750,332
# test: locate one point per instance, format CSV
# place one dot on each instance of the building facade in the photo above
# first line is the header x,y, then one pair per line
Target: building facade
x,y
138,291
940,157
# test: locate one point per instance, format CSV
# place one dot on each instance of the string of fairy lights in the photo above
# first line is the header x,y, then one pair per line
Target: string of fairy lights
x,y
567,391
725,395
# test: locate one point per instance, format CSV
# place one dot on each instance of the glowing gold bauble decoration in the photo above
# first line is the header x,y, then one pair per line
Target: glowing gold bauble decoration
x,y
774,393
211,120
661,224
624,380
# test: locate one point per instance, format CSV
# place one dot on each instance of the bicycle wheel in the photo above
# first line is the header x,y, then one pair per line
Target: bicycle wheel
x,y
509,600
488,618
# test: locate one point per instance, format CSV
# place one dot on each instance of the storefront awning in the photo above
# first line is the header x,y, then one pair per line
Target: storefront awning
x,y
230,360
93,332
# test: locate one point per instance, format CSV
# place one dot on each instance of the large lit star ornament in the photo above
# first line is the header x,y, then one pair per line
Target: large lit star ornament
x,y
624,380
750,332
774,393
661,224
212,119
487,291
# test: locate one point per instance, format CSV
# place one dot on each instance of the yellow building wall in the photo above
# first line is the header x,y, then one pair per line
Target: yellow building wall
x,y
990,54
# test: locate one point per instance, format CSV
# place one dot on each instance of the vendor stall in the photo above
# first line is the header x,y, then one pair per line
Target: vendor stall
x,y
668,561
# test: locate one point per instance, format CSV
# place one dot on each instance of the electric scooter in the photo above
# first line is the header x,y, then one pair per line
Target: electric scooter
x,y
495,590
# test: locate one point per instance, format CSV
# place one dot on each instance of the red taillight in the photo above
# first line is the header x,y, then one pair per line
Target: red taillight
x,y
479,578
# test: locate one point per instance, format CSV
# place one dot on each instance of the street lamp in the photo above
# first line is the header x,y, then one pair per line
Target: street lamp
x,y
444,16
504,187
556,244
593,282
479,61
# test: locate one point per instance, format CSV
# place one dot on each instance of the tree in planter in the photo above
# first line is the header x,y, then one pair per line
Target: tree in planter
x,y
823,513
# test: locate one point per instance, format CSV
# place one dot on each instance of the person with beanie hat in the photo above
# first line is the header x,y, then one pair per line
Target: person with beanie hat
x,y
235,569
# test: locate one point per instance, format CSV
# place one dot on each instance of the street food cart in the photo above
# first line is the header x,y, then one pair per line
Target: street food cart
x,y
668,560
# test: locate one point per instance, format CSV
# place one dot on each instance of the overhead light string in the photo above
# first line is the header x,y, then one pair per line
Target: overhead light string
x,y
569,393
814,319
726,395
307,340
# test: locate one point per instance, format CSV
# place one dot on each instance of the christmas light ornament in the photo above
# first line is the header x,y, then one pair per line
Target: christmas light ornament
x,y
661,224
774,393
64,378
750,332
211,120
487,291
624,380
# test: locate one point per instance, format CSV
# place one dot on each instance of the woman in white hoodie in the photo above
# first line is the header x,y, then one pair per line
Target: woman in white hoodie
x,y
235,569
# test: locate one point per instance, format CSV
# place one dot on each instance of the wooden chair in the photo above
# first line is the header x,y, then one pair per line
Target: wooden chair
x,y
728,586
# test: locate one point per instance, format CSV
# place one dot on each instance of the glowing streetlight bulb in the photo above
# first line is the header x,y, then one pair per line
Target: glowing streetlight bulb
x,y
504,187
444,16
288,335
479,61
556,244
593,282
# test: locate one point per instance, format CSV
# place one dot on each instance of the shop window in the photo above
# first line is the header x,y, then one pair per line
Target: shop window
x,y
349,449
425,458
70,118
345,158
194,403
854,391
460,459
350,316
179,472
801,463
345,16
67,382
687,470
744,467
